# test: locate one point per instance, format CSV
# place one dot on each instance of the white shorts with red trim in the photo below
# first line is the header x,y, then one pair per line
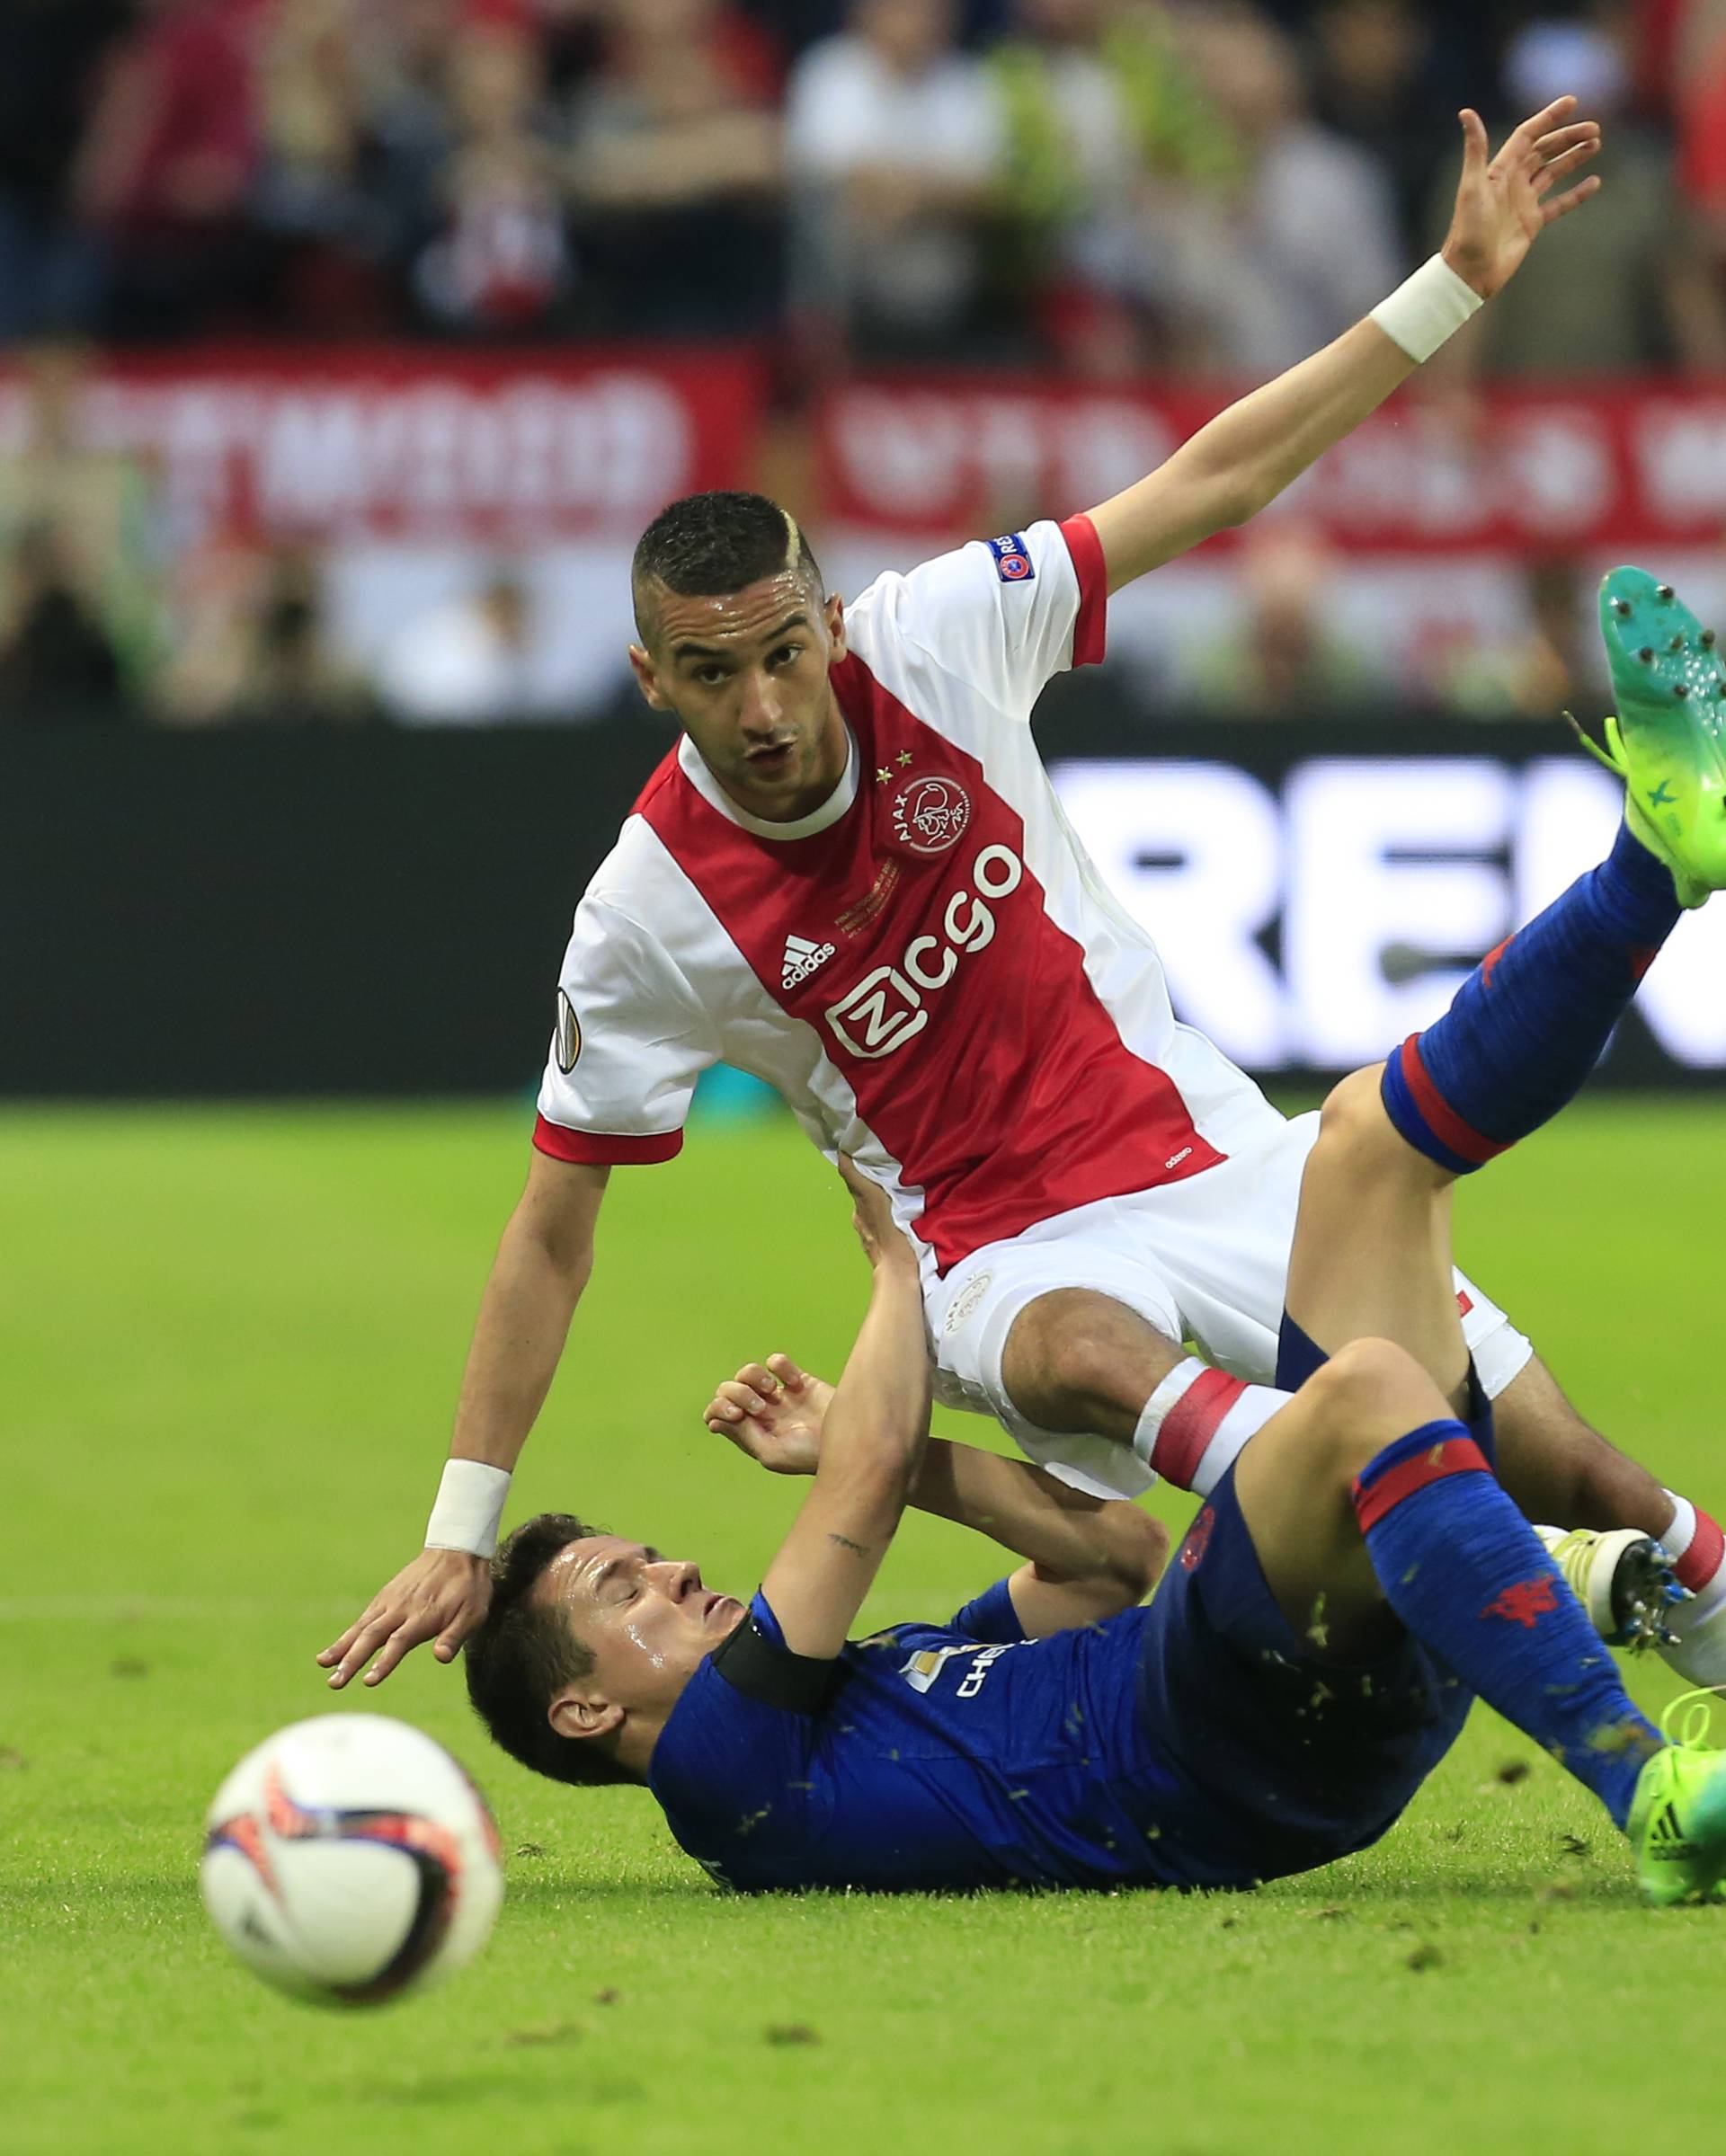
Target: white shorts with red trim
x,y
1205,1261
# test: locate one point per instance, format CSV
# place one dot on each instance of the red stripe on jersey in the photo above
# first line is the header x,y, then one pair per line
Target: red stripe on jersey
x,y
1451,1456
1091,631
1699,1564
1442,1120
662,775
958,1013
603,1148
1191,1424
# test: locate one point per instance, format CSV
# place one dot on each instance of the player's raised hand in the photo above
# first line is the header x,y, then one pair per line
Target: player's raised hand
x,y
442,1595
1504,203
774,1412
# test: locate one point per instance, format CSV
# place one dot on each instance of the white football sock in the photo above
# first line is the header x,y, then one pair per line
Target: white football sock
x,y
1196,1422
1699,1550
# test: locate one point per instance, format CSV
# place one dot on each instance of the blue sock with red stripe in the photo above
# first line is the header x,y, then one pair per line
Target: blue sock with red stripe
x,y
1531,1021
1469,1579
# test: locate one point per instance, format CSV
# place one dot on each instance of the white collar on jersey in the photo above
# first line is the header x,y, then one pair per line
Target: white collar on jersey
x,y
805,827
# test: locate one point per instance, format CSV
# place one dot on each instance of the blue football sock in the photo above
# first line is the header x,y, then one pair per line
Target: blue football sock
x,y
1469,1578
1531,1021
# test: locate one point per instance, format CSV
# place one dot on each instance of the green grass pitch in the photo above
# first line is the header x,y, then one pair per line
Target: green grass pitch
x,y
230,1341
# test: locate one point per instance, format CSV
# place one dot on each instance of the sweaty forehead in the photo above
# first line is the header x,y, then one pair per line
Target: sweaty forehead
x,y
732,620
577,1563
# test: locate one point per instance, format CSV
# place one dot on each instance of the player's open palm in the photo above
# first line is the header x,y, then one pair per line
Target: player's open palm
x,y
442,1595
1504,203
774,1412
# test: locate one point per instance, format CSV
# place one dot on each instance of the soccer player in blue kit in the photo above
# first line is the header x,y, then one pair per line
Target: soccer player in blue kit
x,y
1357,1578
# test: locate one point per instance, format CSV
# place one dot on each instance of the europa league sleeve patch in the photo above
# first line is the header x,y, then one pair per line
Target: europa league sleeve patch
x,y
566,1042
1013,562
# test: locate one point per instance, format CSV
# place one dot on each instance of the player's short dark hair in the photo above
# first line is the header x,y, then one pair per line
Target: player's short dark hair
x,y
710,545
524,1654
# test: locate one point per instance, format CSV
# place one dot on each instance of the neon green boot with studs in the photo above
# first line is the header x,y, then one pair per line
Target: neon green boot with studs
x,y
1668,741
1677,1826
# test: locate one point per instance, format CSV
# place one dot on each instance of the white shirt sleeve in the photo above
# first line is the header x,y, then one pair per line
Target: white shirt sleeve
x,y
1001,616
629,1043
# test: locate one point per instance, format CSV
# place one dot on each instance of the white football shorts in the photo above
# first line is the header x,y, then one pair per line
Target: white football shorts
x,y
1205,1261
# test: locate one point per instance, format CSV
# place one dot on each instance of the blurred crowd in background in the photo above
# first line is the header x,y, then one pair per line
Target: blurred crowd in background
x,y
1196,190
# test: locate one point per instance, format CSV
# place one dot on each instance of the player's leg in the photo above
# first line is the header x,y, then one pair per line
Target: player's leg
x,y
1525,1030
1368,1499
1079,1360
1448,1553
1076,1359
1566,1471
1372,1256
1083,1372
1452,1553
1295,1490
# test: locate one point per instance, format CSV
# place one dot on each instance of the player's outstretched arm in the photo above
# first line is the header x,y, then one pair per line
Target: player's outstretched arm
x,y
1088,1557
542,1266
875,1427
1230,469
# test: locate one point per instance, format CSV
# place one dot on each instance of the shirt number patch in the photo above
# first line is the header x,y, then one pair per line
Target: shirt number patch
x,y
1013,564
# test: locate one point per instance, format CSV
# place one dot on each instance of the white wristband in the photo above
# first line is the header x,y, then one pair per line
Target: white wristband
x,y
1427,308
471,1504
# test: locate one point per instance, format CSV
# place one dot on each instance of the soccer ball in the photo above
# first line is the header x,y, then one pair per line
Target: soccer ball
x,y
349,1859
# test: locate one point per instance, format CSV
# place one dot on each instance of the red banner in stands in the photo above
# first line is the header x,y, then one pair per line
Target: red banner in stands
x,y
415,446
1635,467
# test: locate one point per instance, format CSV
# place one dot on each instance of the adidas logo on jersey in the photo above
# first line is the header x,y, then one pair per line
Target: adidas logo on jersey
x,y
802,958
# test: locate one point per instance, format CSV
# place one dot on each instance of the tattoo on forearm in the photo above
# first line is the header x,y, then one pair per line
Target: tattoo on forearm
x,y
845,1542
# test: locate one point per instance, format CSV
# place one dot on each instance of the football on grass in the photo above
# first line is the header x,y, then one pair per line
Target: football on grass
x,y
349,1859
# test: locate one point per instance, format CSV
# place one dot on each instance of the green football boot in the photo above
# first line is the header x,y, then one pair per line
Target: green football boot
x,y
1668,743
1677,1819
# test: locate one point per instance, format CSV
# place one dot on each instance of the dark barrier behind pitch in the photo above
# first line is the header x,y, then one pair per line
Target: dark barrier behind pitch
x,y
305,911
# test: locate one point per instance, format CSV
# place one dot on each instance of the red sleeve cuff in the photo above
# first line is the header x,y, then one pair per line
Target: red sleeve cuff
x,y
598,1148
1091,631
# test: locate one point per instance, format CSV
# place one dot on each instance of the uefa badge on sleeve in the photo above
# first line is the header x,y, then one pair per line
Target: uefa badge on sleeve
x,y
1013,562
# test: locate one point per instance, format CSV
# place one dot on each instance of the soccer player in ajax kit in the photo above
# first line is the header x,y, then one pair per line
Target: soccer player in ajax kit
x,y
1357,1575
851,877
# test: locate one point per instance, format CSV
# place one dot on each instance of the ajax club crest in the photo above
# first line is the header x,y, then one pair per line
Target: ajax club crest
x,y
931,814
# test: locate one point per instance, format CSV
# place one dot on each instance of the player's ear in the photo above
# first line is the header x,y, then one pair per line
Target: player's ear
x,y
579,1711
834,614
646,675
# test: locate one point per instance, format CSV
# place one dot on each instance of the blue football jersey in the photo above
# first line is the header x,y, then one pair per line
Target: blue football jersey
x,y
956,1755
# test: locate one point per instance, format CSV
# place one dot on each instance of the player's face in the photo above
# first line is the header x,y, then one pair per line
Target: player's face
x,y
748,677
646,1620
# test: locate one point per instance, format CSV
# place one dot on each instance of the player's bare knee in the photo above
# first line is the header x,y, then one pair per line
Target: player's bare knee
x,y
1358,1138
1367,1395
1353,1116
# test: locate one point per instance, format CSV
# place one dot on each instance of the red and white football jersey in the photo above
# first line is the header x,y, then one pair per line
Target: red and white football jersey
x,y
928,967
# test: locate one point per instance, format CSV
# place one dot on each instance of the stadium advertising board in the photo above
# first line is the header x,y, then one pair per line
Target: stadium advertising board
x,y
381,912
1310,917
